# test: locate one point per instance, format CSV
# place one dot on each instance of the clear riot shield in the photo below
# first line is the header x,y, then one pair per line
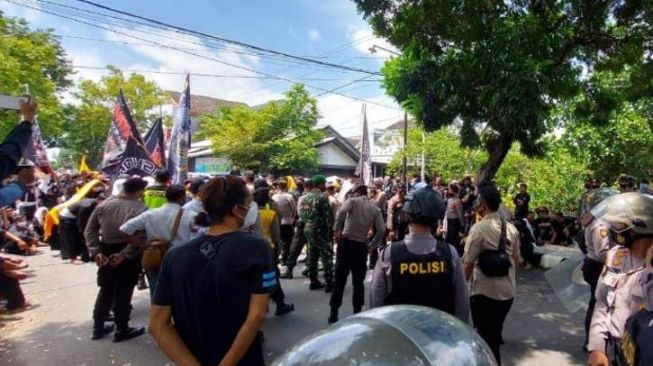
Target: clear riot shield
x,y
393,335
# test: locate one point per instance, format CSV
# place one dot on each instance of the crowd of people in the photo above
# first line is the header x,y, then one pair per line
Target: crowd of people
x,y
213,251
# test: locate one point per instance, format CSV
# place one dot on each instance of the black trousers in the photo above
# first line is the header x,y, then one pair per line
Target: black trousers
x,y
116,288
454,228
351,256
401,229
10,290
73,244
488,316
298,242
287,233
591,273
277,294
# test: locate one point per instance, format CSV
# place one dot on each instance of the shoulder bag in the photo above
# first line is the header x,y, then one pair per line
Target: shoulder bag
x,y
155,249
496,263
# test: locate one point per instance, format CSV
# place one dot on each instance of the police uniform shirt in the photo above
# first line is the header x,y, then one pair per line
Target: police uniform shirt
x,y
618,295
381,284
485,235
597,235
356,216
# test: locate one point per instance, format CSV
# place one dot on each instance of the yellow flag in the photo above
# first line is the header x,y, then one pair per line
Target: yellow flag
x,y
83,167
52,217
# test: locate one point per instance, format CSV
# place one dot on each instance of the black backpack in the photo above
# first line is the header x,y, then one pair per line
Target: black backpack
x,y
496,263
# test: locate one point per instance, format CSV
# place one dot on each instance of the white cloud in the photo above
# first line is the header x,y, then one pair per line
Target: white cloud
x,y
250,91
345,114
31,15
313,34
365,39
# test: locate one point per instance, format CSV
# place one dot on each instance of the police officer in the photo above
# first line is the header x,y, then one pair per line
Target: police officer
x,y
318,224
620,291
353,223
597,244
421,270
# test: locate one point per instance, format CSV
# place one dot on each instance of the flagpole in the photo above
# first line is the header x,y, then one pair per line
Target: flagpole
x,y
404,160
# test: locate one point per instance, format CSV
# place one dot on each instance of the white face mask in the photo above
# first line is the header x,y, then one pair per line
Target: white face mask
x,y
250,218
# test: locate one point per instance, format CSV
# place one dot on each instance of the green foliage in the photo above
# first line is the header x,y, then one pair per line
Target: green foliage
x,y
442,151
555,179
88,123
278,136
500,68
622,145
35,58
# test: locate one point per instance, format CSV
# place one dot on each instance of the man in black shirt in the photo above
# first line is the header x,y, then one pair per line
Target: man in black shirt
x,y
207,284
521,200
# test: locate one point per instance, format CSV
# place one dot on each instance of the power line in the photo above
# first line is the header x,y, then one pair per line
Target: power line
x,y
197,49
195,54
208,75
229,41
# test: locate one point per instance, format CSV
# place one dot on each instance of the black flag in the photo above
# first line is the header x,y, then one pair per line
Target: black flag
x,y
155,145
125,151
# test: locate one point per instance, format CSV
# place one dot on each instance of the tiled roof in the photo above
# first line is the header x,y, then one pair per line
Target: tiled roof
x,y
200,104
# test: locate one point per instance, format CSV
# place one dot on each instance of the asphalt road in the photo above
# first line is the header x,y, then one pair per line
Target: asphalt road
x,y
538,331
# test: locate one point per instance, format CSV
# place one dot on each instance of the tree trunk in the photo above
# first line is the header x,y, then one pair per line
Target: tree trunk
x,y
497,148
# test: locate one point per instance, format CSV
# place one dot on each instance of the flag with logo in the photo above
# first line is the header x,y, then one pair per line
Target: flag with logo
x,y
125,151
364,167
180,138
155,145
35,150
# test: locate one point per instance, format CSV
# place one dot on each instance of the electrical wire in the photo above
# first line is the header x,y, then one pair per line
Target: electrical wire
x,y
229,41
195,54
144,71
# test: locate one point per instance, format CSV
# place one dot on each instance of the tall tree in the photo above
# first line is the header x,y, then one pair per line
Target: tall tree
x,y
620,146
501,67
279,135
88,123
35,58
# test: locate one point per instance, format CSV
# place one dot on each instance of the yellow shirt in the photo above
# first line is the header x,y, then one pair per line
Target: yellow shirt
x,y
267,216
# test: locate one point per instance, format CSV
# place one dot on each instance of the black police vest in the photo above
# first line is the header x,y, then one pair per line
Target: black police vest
x,y
634,348
422,279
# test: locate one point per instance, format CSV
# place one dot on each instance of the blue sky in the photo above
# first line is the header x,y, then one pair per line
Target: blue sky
x,y
330,30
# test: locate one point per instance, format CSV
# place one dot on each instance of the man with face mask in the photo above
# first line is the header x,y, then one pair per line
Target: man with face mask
x,y
421,270
597,244
119,263
492,295
622,288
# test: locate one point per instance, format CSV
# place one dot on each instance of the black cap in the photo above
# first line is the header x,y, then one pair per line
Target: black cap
x,y
424,202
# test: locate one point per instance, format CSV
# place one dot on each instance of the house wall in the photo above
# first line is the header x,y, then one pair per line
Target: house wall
x,y
332,155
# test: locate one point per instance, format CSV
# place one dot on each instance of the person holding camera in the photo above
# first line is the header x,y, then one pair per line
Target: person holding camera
x,y
11,149
490,261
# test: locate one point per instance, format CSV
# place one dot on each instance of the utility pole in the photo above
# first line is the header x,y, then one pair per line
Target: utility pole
x,y
423,142
404,159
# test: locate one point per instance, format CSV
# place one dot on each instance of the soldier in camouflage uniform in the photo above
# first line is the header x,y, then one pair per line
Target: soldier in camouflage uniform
x,y
318,219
